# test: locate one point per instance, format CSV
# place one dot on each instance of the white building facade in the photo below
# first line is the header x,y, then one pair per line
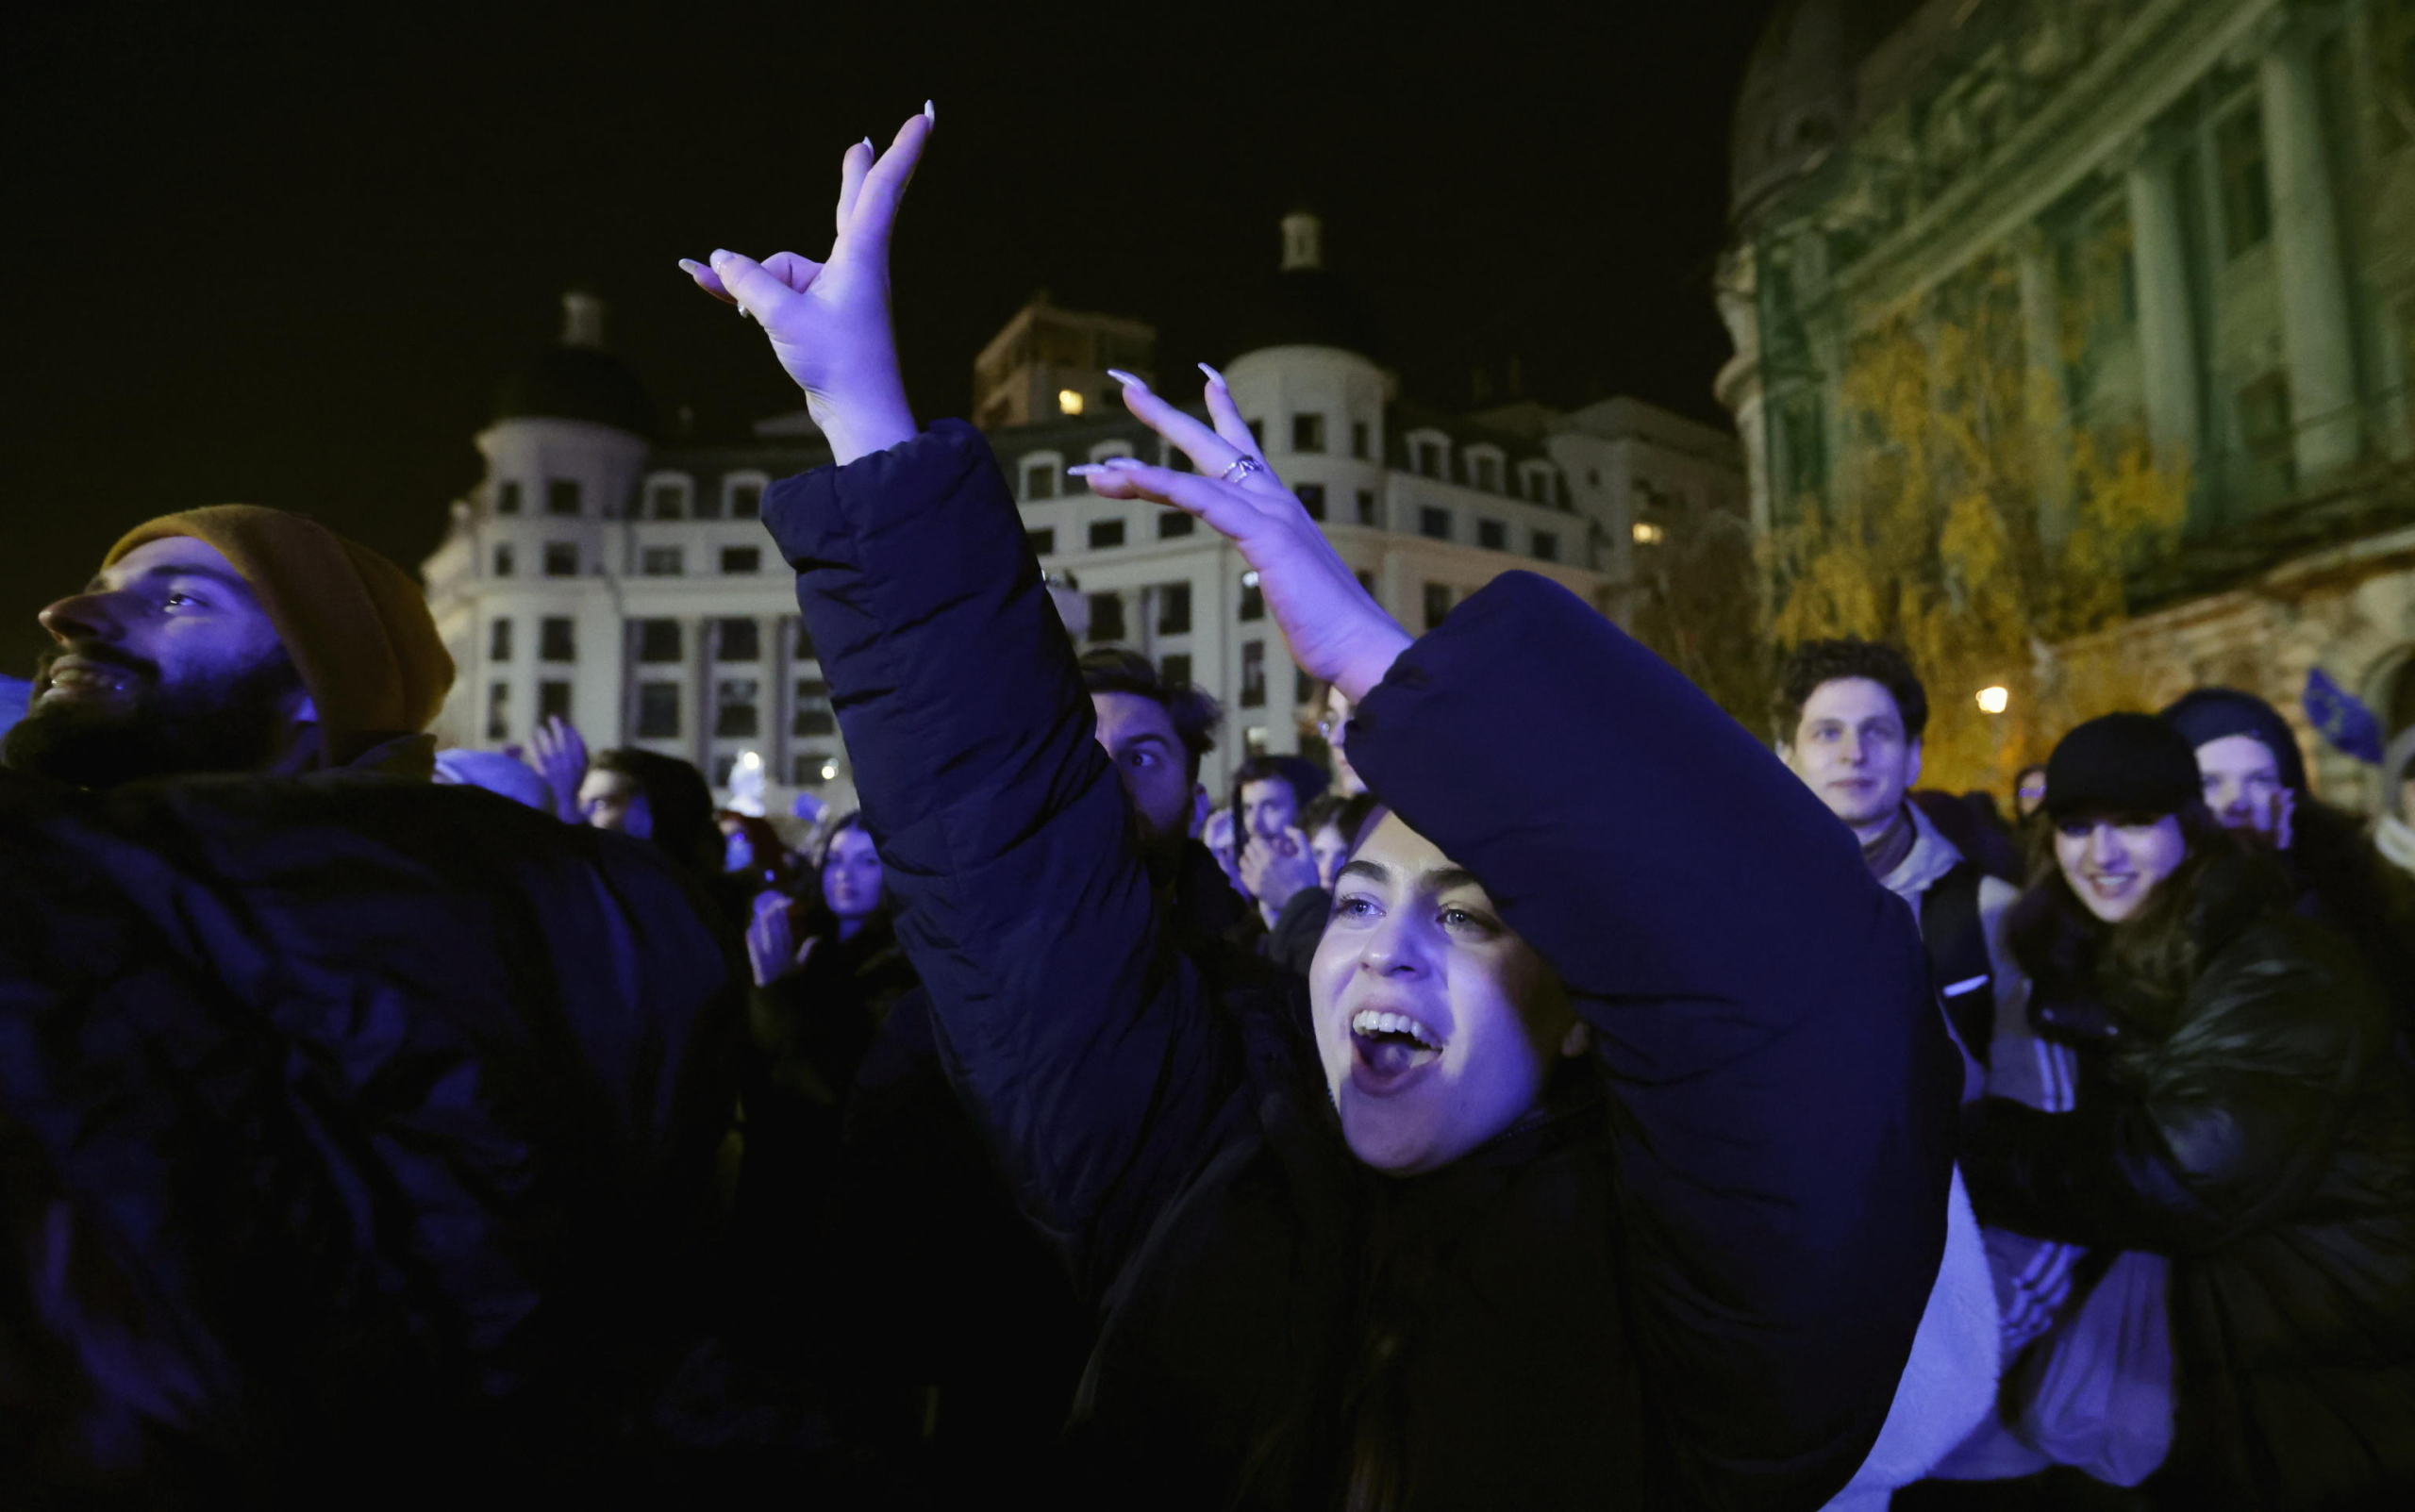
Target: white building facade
x,y
629,585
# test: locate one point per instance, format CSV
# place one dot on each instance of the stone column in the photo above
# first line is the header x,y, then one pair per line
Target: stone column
x,y
2047,413
2168,359
2310,273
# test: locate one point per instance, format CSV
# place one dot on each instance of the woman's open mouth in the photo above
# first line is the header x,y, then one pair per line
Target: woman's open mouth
x,y
1388,1050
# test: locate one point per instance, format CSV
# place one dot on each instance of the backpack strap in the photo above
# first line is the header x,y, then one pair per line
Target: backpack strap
x,y
1958,956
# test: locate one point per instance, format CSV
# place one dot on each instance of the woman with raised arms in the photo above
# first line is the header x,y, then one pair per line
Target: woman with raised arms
x,y
1604,1158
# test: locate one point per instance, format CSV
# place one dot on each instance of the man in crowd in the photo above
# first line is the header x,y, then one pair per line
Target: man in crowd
x,y
2255,785
352,1126
1275,865
1849,715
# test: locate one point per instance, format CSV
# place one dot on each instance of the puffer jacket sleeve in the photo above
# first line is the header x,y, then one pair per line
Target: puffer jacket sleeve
x,y
1081,1038
1783,1088
2224,1127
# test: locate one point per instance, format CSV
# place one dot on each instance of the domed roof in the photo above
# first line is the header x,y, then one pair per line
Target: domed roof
x,y
1796,101
578,380
1304,304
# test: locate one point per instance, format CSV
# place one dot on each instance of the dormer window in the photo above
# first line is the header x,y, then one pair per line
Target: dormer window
x,y
745,492
1484,468
666,496
1040,474
1429,452
1538,483
561,496
507,496
1307,433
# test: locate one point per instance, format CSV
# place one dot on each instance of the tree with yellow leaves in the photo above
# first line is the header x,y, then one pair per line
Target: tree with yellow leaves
x,y
1971,522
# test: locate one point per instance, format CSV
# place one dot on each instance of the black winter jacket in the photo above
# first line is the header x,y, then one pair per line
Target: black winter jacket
x,y
2261,1133
352,1133
1692,1278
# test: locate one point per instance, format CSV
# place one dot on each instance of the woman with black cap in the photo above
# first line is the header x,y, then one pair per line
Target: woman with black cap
x,y
2238,1110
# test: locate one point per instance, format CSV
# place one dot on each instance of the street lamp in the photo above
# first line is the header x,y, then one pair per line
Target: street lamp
x,y
1994,700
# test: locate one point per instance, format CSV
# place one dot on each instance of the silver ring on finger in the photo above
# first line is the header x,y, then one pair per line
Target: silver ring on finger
x,y
1241,468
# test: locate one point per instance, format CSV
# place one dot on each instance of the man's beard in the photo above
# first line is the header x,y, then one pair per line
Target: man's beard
x,y
235,721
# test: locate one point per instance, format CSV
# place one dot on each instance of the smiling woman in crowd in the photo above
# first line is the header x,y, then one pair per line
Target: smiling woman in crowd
x,y
2238,1108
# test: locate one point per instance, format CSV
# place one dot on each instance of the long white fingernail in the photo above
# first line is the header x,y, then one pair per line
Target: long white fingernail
x,y
1120,461
931,113
1213,376
1083,470
1126,380
870,148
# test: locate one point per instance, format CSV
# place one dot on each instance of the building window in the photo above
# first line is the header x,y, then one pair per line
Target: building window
x,y
1366,506
738,641
658,711
1175,522
1538,481
499,640
505,559
1362,438
811,768
746,500
1174,671
557,639
1434,523
1105,533
662,562
1107,616
562,559
1488,474
1312,497
666,501
561,496
659,640
1429,459
734,705
2247,204
1042,541
1173,609
742,559
498,711
1492,535
1546,546
1307,433
1367,581
812,714
1253,675
553,702
1039,480
1253,598
1438,604
506,497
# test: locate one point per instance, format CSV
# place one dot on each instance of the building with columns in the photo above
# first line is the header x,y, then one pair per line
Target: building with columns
x,y
2210,206
603,572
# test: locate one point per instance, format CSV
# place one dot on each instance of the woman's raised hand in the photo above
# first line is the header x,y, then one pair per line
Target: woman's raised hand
x,y
1335,628
829,322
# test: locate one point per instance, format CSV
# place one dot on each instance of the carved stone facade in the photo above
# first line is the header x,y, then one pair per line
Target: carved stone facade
x,y
2211,208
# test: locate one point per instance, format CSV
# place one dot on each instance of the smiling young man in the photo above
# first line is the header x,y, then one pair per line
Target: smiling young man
x,y
1851,715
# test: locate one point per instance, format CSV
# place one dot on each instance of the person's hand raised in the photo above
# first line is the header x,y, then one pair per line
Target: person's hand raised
x,y
829,322
560,754
771,949
1335,628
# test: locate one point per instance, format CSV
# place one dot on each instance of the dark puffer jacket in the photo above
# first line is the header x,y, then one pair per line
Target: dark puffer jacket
x,y
352,1132
1690,1279
2260,1133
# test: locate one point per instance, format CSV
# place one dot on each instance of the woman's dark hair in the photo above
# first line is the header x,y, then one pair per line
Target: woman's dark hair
x,y
1346,813
1195,712
1307,780
2148,960
1815,662
826,839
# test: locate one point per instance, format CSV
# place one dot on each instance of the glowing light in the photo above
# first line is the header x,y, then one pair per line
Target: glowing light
x,y
1070,401
1647,534
1994,700
830,771
1249,579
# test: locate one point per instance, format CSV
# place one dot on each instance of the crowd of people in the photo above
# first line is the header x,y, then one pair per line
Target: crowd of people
x,y
1634,1113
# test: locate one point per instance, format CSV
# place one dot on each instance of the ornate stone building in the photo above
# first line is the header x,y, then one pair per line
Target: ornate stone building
x,y
2210,206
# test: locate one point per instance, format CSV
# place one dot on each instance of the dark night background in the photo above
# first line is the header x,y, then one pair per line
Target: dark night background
x,y
284,255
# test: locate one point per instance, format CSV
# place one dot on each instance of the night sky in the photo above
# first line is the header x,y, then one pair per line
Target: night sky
x,y
286,257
